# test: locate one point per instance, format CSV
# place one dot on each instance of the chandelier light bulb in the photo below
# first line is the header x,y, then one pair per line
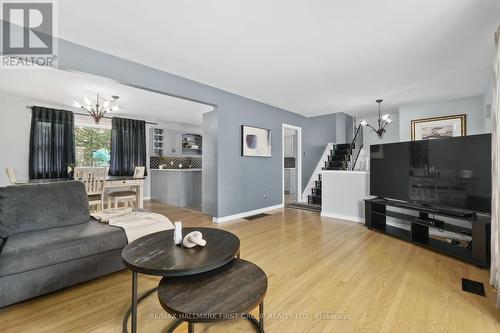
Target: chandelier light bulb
x,y
382,121
101,106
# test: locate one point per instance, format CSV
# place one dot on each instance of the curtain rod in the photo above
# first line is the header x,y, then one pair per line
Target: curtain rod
x,y
88,115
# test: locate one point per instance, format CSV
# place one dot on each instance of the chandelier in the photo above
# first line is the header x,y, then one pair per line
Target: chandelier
x,y
383,121
101,106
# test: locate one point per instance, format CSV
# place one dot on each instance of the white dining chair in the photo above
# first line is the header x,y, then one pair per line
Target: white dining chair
x,y
94,180
128,198
11,174
139,171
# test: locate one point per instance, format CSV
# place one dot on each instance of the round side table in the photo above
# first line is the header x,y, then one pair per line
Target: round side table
x,y
157,254
227,293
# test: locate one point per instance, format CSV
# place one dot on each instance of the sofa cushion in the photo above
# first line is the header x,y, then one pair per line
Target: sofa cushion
x,y
42,206
30,250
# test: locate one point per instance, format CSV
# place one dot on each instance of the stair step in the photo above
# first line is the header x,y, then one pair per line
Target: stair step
x,y
314,199
334,168
336,157
340,150
343,146
335,164
317,183
316,191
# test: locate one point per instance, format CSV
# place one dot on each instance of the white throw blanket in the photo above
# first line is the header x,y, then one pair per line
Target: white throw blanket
x,y
135,224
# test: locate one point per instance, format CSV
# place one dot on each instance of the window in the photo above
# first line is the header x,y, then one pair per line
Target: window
x,y
92,145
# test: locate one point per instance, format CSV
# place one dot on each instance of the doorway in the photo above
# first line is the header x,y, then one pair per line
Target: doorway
x,y
292,163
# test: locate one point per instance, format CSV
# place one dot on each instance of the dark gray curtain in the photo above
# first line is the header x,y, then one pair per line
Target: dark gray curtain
x,y
128,146
52,143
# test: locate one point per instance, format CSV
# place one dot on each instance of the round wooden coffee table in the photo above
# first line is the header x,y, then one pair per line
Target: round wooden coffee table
x,y
227,293
157,254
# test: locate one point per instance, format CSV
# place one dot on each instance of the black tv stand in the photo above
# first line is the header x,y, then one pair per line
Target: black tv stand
x,y
478,250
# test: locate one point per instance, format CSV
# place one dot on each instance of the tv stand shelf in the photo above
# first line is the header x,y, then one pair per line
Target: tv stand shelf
x,y
376,213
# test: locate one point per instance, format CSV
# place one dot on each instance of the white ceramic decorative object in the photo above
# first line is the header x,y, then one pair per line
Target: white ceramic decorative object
x,y
192,239
178,233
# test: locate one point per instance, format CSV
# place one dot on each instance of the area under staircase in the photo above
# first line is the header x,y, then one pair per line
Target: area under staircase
x,y
342,157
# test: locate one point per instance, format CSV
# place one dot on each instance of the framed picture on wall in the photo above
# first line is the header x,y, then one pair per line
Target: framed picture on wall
x,y
438,127
255,141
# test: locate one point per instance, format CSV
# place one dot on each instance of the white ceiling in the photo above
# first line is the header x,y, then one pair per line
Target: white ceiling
x,y
308,56
60,88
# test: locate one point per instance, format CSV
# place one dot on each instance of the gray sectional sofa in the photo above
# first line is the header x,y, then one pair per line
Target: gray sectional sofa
x,y
48,241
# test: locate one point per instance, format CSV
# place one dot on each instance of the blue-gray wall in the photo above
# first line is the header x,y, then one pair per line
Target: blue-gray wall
x,y
232,184
478,121
471,106
319,131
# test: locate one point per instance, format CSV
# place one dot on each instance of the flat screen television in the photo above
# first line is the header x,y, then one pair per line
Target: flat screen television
x,y
452,173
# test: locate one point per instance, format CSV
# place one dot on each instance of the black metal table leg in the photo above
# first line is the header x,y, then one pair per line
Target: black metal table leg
x,y
259,324
132,310
172,328
190,328
133,323
261,316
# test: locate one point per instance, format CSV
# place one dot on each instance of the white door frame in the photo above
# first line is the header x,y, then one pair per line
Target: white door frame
x,y
298,160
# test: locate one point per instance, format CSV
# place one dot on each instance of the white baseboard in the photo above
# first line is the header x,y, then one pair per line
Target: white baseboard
x,y
245,214
147,198
344,217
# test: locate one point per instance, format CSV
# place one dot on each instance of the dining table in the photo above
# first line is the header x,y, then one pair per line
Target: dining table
x,y
111,183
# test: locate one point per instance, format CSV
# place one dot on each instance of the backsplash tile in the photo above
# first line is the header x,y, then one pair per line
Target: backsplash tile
x,y
187,162
289,162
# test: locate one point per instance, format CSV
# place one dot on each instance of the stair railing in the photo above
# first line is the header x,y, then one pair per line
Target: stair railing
x,y
357,144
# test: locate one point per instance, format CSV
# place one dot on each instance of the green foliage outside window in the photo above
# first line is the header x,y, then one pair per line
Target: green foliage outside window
x,y
92,146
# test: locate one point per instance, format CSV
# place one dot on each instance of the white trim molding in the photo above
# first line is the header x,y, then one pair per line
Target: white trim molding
x,y
298,161
245,214
344,217
346,172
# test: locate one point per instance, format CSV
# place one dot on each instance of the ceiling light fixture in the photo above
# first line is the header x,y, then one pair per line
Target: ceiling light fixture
x,y
383,121
101,106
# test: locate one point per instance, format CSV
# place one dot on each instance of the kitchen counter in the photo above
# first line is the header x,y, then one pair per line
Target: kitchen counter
x,y
177,187
176,170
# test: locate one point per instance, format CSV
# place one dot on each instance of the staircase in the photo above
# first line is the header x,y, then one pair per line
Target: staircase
x,y
342,157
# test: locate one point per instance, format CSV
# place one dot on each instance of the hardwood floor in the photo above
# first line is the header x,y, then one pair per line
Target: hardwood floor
x,y
325,275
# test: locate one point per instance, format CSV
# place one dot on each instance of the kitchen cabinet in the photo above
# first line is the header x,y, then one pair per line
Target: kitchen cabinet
x,y
191,144
156,141
178,187
293,181
173,143
287,181
166,142
290,181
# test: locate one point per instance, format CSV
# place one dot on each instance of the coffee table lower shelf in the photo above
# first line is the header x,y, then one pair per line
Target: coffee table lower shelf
x,y
258,324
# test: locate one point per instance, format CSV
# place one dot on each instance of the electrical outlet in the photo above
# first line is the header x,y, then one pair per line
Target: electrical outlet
x,y
265,195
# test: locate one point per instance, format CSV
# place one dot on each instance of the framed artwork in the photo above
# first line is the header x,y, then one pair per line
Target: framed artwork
x,y
255,141
438,127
